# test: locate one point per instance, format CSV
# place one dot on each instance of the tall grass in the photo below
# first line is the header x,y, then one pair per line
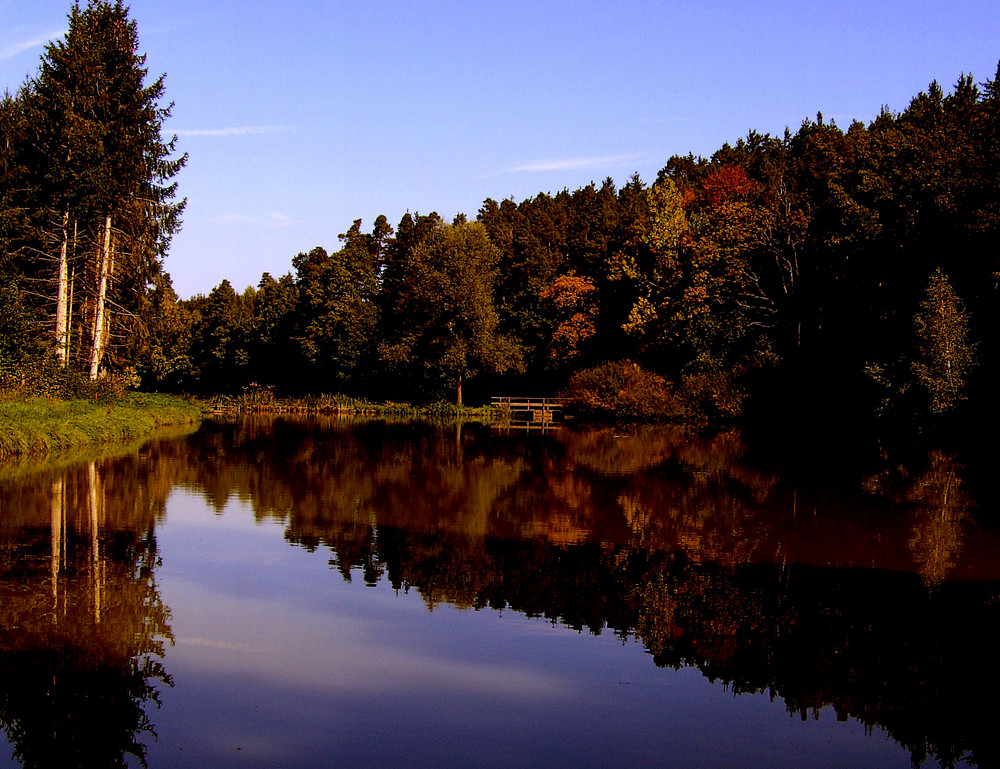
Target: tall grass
x,y
42,425
258,400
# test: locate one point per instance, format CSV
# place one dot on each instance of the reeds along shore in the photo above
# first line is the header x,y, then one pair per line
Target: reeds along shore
x,y
264,402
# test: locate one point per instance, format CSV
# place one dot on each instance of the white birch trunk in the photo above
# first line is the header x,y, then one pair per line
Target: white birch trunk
x,y
62,297
100,321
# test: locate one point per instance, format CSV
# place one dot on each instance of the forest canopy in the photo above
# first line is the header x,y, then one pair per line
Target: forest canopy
x,y
847,268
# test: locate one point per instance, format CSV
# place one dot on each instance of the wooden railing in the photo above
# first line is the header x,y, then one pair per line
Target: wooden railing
x,y
539,412
529,404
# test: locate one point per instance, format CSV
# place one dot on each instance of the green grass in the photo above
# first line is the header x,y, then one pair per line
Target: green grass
x,y
36,426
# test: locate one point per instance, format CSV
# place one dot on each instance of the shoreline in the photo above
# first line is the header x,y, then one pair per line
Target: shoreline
x,y
39,426
338,405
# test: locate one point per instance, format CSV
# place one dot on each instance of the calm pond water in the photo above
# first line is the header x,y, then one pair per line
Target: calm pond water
x,y
311,592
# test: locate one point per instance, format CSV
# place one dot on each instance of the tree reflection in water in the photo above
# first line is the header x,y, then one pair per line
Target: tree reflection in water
x,y
876,596
856,597
941,505
82,627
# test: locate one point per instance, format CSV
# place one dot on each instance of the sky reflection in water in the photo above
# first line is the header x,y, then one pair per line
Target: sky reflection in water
x,y
280,661
273,658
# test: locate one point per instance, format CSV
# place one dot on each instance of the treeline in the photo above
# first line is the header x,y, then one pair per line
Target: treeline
x,y
827,271
843,271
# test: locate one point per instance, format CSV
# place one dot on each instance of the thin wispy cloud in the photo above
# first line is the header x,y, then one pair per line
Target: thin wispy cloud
x,y
568,164
10,50
258,130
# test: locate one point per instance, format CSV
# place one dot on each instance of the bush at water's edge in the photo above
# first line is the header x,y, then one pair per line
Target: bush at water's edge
x,y
41,425
623,391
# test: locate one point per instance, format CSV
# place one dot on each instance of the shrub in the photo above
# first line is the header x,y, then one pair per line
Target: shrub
x,y
624,391
713,395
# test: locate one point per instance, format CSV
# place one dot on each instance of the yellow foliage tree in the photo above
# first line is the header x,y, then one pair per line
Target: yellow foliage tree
x,y
688,290
945,356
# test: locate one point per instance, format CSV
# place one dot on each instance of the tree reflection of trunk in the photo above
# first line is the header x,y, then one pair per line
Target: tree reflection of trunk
x,y
95,556
57,515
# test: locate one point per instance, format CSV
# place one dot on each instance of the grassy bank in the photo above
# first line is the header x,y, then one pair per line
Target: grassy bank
x,y
39,425
23,465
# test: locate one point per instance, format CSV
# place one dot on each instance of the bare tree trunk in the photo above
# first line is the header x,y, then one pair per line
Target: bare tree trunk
x,y
458,395
100,321
62,297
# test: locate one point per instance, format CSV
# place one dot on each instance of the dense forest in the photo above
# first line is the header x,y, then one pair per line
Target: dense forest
x,y
823,271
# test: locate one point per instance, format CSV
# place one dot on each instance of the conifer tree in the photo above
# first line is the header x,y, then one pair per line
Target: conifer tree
x,y
107,169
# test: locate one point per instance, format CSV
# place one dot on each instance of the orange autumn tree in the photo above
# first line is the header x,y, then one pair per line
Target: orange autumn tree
x,y
573,303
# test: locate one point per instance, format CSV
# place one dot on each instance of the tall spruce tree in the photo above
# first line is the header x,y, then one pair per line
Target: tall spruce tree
x,y
107,170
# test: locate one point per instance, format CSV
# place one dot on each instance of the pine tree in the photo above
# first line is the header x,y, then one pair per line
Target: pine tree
x,y
108,170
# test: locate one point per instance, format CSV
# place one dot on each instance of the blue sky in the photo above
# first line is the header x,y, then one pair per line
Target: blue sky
x,y
300,117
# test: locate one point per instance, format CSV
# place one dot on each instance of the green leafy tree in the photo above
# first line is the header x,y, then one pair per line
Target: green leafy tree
x,y
273,360
162,342
531,240
221,338
687,310
20,349
659,277
337,305
443,324
396,255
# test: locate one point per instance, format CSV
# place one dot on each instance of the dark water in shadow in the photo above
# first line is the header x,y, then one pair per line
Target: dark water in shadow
x,y
307,592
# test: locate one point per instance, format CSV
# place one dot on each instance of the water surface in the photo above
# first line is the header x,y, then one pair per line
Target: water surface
x,y
311,592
